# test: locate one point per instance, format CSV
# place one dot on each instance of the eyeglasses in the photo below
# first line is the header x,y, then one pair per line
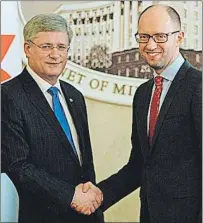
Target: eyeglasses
x,y
158,37
49,47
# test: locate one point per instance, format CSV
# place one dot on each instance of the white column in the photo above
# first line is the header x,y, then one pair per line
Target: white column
x,y
82,54
104,32
110,34
73,52
89,36
97,32
126,23
134,22
116,26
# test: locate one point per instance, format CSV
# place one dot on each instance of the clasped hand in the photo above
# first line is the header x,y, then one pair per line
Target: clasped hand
x,y
87,198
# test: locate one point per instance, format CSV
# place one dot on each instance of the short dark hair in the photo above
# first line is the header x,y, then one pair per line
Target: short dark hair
x,y
173,14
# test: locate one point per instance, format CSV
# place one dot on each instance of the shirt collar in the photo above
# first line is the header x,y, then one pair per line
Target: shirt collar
x,y
170,72
43,85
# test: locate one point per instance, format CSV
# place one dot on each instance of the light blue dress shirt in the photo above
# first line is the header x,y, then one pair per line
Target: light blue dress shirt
x,y
168,75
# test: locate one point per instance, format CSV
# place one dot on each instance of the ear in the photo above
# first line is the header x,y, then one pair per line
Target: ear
x,y
27,49
180,38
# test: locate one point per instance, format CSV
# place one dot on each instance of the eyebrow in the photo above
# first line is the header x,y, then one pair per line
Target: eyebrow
x,y
53,44
152,34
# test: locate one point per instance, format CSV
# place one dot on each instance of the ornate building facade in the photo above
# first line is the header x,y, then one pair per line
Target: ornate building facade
x,y
114,23
129,63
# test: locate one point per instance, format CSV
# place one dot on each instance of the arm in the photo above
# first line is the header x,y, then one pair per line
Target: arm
x,y
197,113
197,121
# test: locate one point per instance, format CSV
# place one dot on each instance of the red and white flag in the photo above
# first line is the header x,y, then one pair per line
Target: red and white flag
x,y
11,40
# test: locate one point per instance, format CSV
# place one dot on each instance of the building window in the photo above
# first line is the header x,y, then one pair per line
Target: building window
x,y
119,59
196,29
136,56
127,58
136,72
185,13
197,58
127,72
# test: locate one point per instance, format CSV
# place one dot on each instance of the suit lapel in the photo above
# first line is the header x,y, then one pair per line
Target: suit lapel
x,y
176,83
74,110
39,101
142,119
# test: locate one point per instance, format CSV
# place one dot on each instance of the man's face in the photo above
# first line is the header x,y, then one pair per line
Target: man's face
x,y
48,64
159,55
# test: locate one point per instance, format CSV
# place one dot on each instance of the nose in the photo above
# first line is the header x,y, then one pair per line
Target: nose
x,y
151,45
54,53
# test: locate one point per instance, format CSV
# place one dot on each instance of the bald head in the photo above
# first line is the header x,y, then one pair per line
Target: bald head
x,y
160,10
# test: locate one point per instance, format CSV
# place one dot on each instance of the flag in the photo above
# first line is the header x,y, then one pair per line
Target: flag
x,y
11,40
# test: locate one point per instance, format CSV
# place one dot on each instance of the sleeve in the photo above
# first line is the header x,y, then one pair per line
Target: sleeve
x,y
36,182
89,164
129,177
197,112
197,121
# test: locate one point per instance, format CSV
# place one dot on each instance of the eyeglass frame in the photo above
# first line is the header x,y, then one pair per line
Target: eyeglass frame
x,y
152,36
51,47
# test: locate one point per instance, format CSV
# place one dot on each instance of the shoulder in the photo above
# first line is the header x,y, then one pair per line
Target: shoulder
x,y
70,87
194,79
11,87
71,91
143,87
193,74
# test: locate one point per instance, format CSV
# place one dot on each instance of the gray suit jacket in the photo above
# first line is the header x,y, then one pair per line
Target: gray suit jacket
x,y
169,171
37,155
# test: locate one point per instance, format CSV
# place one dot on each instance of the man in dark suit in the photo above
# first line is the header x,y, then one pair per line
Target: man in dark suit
x,y
165,160
46,148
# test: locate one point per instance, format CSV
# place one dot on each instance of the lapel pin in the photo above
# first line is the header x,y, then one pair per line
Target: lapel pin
x,y
71,100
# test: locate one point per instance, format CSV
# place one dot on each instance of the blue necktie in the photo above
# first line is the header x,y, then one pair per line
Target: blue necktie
x,y
60,114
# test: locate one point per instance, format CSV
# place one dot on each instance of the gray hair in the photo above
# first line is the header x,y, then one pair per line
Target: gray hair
x,y
46,23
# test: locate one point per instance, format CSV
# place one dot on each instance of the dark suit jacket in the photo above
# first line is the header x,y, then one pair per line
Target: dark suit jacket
x,y
37,155
169,172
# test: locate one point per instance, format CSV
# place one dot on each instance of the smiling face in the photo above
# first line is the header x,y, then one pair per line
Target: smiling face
x,y
48,65
159,55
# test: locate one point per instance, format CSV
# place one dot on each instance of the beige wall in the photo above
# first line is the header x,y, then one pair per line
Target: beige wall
x,y
110,131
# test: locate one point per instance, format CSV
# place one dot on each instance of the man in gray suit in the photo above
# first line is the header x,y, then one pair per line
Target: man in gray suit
x,y
165,160
46,148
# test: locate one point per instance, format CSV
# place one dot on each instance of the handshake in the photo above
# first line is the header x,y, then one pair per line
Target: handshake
x,y
87,198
